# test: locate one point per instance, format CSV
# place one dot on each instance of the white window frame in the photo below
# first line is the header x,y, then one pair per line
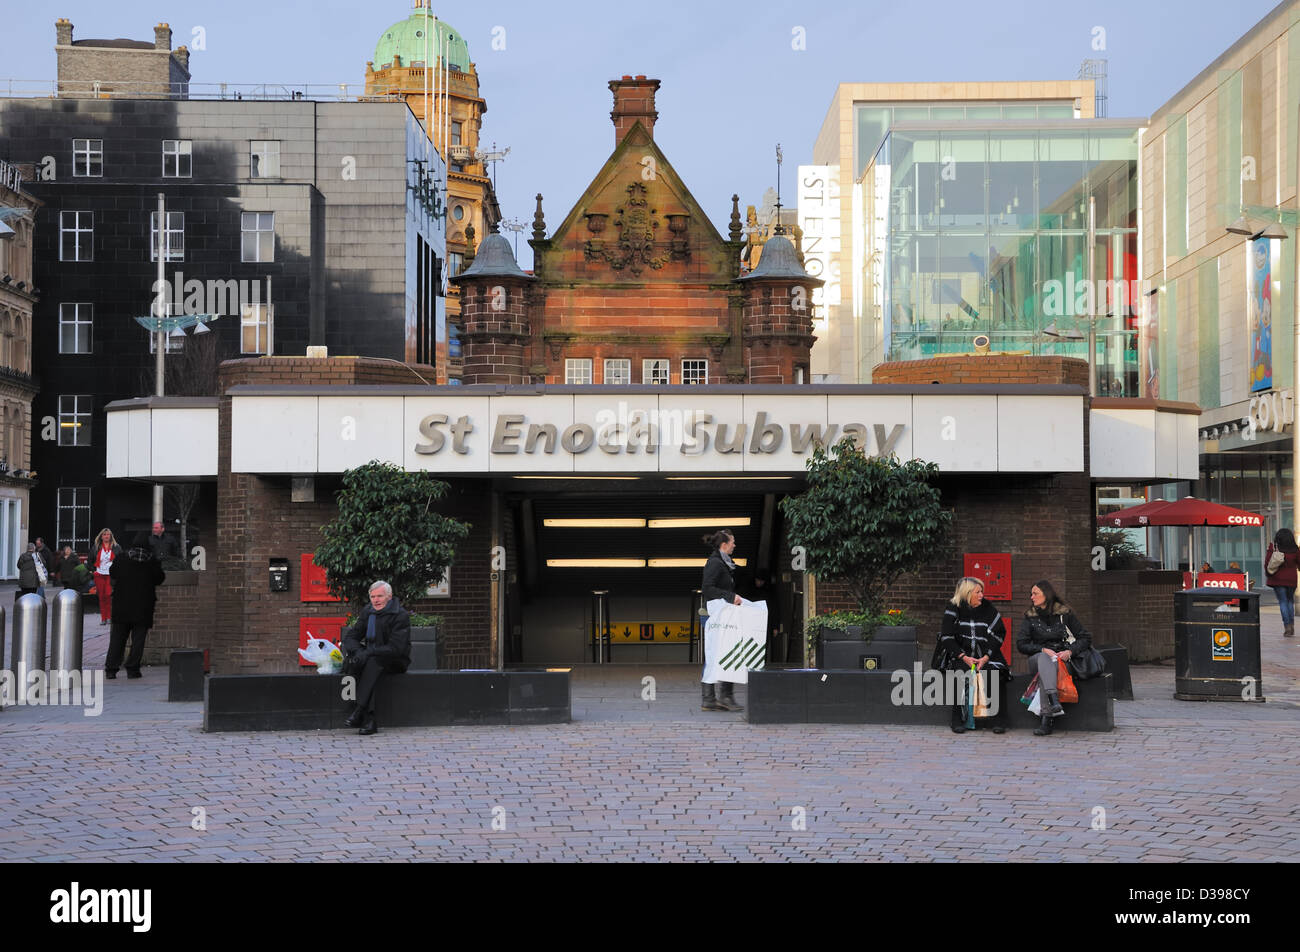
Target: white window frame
x,y
76,411
577,370
695,375
87,158
175,236
67,503
76,230
260,319
618,371
457,130
264,158
263,239
177,158
656,371
79,318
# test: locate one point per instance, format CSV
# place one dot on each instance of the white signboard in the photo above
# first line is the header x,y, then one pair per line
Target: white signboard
x,y
819,219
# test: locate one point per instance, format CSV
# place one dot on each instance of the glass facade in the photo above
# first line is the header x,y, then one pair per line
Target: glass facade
x,y
983,229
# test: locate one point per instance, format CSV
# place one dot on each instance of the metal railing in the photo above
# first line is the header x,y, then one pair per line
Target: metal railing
x,y
102,89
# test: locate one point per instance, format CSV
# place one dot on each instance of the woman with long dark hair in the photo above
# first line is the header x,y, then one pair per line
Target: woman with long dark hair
x,y
972,634
719,590
1280,576
1049,633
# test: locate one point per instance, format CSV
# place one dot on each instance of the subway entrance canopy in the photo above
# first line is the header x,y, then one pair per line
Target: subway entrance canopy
x,y
579,489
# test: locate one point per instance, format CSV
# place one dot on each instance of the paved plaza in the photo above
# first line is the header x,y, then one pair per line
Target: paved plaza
x,y
656,780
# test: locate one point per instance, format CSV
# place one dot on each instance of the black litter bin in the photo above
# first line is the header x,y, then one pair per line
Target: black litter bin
x,y
1216,645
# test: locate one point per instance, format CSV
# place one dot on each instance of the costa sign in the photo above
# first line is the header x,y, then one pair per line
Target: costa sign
x,y
1269,411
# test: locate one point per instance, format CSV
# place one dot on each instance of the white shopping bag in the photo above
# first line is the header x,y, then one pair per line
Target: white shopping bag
x,y
735,640
1036,705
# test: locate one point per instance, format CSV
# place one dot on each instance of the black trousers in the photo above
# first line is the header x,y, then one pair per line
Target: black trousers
x,y
368,682
117,636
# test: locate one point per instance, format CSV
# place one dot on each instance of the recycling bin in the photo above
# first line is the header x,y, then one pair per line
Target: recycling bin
x,y
1216,645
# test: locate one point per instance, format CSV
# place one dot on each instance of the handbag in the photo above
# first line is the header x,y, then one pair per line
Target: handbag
x,y
1087,663
1066,692
942,658
1275,561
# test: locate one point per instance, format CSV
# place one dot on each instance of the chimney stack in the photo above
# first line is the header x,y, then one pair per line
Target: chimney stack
x,y
162,37
634,100
63,31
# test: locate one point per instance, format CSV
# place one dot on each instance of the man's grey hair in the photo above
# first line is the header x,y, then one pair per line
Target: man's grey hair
x,y
388,589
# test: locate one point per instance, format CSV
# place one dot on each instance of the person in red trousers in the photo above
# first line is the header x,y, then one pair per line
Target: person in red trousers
x,y
102,554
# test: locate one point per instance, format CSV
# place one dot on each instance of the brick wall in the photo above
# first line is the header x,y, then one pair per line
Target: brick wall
x,y
1136,609
183,617
986,368
777,330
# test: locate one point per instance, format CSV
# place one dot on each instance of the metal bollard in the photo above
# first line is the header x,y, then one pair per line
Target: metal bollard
x,y
29,633
65,632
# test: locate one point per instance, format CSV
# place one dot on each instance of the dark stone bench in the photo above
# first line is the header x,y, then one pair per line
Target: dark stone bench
x,y
264,702
1117,665
867,697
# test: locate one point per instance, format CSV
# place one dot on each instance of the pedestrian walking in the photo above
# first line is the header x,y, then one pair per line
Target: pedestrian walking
x,y
719,590
136,575
31,572
1050,633
1280,563
102,555
972,635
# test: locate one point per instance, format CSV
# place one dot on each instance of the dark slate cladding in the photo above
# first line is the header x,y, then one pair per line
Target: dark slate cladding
x,y
341,276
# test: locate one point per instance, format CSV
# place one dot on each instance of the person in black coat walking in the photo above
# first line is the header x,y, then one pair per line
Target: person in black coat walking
x,y
973,634
1050,632
718,589
135,575
378,643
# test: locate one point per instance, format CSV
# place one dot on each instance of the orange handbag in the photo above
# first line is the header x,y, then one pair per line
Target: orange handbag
x,y
1066,692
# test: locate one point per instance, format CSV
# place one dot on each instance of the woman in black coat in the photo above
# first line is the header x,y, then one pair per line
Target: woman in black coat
x,y
719,589
135,576
972,634
1050,632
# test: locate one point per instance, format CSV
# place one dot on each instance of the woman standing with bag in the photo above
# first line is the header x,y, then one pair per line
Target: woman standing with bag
x,y
102,555
1280,562
972,635
719,590
1050,633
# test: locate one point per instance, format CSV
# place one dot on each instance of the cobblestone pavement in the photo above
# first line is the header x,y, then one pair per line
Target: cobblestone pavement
x,y
655,780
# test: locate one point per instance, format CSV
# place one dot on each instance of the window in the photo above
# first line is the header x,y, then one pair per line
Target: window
x,y
577,370
76,229
87,157
72,526
255,325
456,128
75,324
654,371
74,419
258,236
176,158
618,371
175,236
264,159
454,259
695,371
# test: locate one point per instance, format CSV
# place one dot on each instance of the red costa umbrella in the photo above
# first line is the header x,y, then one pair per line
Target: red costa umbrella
x,y
1188,511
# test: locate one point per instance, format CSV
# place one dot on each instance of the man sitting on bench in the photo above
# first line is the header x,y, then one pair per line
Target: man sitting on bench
x,y
379,642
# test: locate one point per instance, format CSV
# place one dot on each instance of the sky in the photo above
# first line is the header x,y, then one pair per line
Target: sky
x,y
733,82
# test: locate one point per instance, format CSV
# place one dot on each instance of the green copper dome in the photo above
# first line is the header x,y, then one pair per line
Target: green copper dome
x,y
408,38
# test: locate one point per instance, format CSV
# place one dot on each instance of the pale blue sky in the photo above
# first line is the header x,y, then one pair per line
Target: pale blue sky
x,y
732,84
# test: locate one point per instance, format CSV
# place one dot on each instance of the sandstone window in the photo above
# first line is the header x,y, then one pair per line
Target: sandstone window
x,y
618,371
74,419
264,159
176,158
73,524
695,371
257,236
654,371
88,157
76,322
76,230
456,128
577,370
175,236
255,327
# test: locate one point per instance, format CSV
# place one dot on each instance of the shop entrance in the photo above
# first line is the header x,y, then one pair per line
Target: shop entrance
x,y
608,571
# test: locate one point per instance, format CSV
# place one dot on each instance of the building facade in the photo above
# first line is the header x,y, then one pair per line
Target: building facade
x,y
126,69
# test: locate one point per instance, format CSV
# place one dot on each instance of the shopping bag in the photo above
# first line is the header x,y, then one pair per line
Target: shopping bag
x,y
1036,705
1066,692
1031,692
981,694
735,641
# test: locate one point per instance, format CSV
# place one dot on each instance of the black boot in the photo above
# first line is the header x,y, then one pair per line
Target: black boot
x,y
355,718
708,701
1053,704
726,698
1045,728
369,727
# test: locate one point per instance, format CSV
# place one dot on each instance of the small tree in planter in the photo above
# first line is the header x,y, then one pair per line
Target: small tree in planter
x,y
386,530
864,521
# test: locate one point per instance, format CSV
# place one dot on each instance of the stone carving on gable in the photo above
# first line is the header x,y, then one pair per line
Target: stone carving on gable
x,y
636,247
